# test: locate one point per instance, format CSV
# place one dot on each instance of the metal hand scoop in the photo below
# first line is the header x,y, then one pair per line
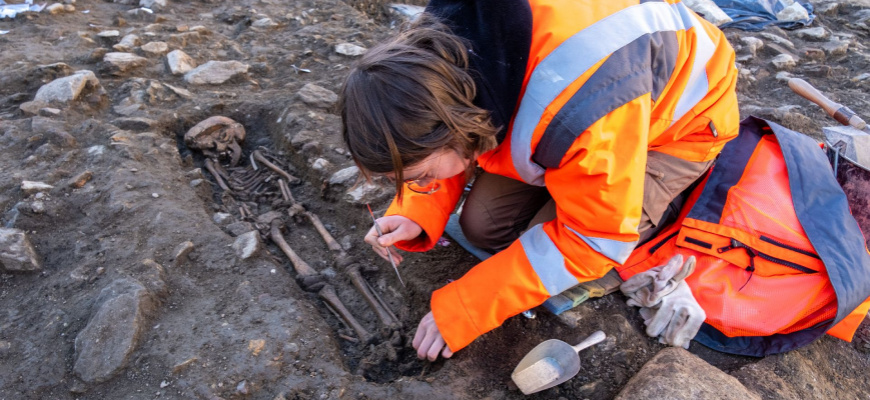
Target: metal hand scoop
x,y
551,363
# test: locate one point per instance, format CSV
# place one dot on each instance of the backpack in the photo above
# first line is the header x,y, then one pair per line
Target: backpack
x,y
780,259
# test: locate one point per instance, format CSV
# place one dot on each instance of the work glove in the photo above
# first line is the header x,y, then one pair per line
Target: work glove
x,y
669,310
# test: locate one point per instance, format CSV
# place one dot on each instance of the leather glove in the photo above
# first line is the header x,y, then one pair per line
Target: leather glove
x,y
647,288
669,309
676,319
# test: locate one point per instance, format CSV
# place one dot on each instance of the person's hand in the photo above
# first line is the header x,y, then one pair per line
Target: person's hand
x,y
396,228
428,340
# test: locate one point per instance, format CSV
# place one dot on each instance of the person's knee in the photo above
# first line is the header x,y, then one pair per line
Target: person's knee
x,y
481,231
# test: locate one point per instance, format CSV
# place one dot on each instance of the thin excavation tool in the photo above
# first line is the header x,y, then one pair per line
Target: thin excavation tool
x,y
389,255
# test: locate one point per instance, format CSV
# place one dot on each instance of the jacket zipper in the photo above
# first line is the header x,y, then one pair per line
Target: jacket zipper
x,y
662,242
735,244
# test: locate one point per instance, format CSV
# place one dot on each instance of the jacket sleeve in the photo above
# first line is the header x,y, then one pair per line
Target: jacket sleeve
x,y
598,190
430,211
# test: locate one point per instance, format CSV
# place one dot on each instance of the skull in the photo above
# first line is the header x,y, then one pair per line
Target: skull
x,y
216,136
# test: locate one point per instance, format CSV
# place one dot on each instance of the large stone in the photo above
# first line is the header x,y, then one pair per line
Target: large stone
x,y
836,47
179,62
709,10
317,96
67,89
104,346
349,49
16,252
777,39
784,61
345,176
752,43
216,72
31,187
794,12
155,49
247,244
127,43
120,63
365,193
675,373
155,5
817,34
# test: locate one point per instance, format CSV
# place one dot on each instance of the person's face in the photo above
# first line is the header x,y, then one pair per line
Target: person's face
x,y
423,176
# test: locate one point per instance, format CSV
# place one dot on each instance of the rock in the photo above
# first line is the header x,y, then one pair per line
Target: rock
x,y
349,49
222,218
127,43
836,47
69,8
81,179
141,14
109,34
104,346
32,107
181,252
816,34
813,53
156,5
783,61
675,373
317,96
264,23
237,228
155,49
709,10
31,187
38,207
404,11
179,62
69,88
827,8
346,176
365,193
752,43
183,93
16,252
320,164
247,244
120,63
243,388
48,112
55,9
216,72
794,12
138,124
777,39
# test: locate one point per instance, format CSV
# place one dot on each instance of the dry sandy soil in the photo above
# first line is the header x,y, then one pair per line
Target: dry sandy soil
x,y
208,322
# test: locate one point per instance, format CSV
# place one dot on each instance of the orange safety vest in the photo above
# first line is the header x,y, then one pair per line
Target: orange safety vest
x,y
781,260
603,84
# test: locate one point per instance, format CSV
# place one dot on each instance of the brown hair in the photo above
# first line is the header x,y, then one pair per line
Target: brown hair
x,y
409,97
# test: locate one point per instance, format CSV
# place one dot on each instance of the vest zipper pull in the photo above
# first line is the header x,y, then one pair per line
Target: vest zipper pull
x,y
734,244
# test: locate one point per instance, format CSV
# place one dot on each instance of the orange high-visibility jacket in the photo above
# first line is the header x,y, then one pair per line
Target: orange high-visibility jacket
x,y
602,83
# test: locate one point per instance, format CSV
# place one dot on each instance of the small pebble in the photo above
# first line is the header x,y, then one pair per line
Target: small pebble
x,y
155,195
